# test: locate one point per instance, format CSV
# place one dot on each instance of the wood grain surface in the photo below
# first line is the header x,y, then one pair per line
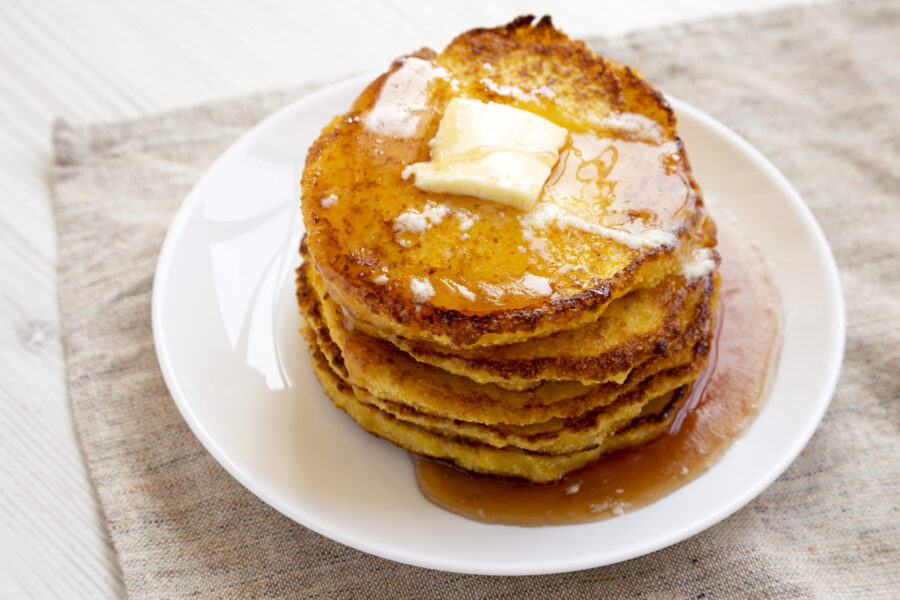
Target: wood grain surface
x,y
103,60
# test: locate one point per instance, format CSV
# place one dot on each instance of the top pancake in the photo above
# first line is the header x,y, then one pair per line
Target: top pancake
x,y
475,272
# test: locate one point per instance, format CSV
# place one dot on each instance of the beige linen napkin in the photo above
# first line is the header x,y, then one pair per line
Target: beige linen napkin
x,y
815,89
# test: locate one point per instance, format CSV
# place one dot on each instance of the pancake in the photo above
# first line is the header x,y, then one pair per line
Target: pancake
x,y
511,342
632,330
620,211
387,372
479,458
586,430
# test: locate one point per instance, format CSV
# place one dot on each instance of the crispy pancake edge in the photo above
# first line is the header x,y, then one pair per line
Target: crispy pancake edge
x,y
479,458
388,373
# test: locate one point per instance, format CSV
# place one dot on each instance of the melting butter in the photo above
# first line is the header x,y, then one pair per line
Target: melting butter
x,y
421,289
490,151
702,264
548,213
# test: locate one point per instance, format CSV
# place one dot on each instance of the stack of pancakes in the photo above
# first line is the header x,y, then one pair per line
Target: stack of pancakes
x,y
509,342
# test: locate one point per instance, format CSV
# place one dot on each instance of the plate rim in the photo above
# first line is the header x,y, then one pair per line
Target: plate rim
x,y
545,566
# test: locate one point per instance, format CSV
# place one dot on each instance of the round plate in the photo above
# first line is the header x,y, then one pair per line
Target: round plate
x,y
225,324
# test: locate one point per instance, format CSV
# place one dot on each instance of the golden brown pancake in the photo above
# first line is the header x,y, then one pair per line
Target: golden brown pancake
x,y
635,328
509,342
387,372
481,458
444,402
624,169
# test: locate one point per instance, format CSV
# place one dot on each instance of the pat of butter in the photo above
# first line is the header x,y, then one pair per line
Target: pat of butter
x,y
490,151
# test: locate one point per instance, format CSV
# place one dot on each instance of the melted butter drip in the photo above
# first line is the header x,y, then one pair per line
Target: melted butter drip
x,y
722,404
403,98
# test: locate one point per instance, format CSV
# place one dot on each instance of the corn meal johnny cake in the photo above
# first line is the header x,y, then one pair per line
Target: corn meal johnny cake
x,y
557,427
508,264
388,371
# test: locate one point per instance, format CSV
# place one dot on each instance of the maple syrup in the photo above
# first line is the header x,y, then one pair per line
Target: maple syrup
x,y
721,405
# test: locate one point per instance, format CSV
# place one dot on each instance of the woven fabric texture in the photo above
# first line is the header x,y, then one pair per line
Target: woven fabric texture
x,y
814,88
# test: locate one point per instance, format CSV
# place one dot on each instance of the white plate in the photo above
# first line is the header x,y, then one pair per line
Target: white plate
x,y
226,330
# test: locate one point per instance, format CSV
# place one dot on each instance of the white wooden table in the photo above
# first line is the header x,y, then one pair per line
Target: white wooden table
x,y
103,60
